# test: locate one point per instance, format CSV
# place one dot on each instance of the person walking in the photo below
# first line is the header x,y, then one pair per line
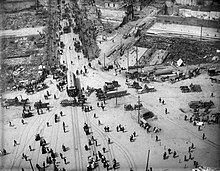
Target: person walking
x,y
123,129
169,151
117,128
174,154
96,142
47,123
64,128
99,122
65,162
61,155
61,113
30,148
90,142
22,121
190,156
103,149
157,139
164,155
86,147
134,133
109,141
131,138
15,143
166,111
160,100
185,159
63,147
103,108
64,124
203,136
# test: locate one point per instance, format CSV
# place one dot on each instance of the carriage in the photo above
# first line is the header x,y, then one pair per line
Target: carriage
x,y
40,105
27,114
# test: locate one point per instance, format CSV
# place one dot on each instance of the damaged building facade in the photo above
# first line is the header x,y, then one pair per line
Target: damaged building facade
x,y
115,12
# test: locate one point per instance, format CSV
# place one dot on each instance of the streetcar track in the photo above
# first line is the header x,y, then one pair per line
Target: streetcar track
x,y
209,142
17,153
94,146
30,138
76,140
123,150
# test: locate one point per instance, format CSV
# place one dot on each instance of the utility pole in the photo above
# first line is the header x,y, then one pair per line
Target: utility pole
x,y
139,104
137,63
147,160
201,34
128,59
116,98
104,60
136,55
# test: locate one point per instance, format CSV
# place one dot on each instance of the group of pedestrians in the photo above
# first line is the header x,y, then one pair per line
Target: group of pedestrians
x,y
101,105
120,128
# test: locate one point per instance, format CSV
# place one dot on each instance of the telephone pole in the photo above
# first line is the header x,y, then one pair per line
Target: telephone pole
x,y
104,60
201,33
137,63
139,105
116,98
128,59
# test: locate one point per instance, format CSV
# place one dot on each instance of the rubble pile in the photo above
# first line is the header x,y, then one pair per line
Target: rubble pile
x,y
22,20
87,33
190,51
21,58
13,75
16,47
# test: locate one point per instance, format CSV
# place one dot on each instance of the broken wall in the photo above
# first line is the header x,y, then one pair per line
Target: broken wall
x,y
17,5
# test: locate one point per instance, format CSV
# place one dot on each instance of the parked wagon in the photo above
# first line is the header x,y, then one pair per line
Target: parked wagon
x,y
128,107
27,114
29,90
15,102
41,87
40,105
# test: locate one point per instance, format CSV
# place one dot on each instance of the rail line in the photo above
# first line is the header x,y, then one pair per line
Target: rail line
x,y
86,118
24,132
209,142
123,150
76,140
41,122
